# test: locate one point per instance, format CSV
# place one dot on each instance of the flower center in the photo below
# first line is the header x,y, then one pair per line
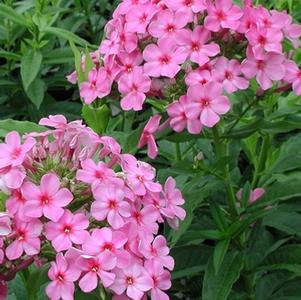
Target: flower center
x,y
130,280
98,174
44,199
164,59
170,28
67,229
220,15
112,204
21,235
107,247
195,46
60,277
260,64
188,2
228,75
205,102
262,40
15,153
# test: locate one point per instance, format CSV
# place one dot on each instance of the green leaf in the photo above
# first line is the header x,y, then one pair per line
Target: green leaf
x,y
9,13
190,260
218,286
36,279
9,55
77,59
36,91
67,35
289,222
20,126
218,215
97,118
17,288
219,253
30,66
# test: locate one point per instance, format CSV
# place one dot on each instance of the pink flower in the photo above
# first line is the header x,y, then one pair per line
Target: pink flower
x,y
178,111
157,251
147,136
12,177
267,39
89,90
228,73
63,277
110,204
254,195
168,24
12,152
133,87
138,19
223,14
15,204
140,176
5,224
293,75
94,268
265,66
47,199
207,103
134,280
161,280
27,239
107,240
69,229
174,199
198,76
93,173
163,59
128,61
188,7
56,121
196,44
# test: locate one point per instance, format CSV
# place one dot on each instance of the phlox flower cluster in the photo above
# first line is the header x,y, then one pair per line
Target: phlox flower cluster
x,y
208,49
76,201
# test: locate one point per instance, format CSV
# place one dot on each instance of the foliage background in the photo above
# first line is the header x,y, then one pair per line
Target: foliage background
x,y
35,57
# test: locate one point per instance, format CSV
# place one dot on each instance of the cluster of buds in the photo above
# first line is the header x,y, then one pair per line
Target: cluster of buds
x,y
188,56
74,200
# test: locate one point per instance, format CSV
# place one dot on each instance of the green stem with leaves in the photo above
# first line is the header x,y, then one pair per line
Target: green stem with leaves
x,y
222,151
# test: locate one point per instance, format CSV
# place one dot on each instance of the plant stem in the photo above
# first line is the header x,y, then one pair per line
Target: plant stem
x,y
178,152
222,151
262,160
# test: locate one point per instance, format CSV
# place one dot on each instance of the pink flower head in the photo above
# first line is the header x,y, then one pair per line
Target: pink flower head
x,y
133,87
174,199
223,14
47,199
265,66
178,111
168,24
26,239
94,268
163,59
207,103
158,251
293,75
138,19
93,173
62,276
140,176
12,152
69,229
196,44
254,195
228,72
107,240
161,280
292,31
147,136
15,204
267,39
134,280
110,204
